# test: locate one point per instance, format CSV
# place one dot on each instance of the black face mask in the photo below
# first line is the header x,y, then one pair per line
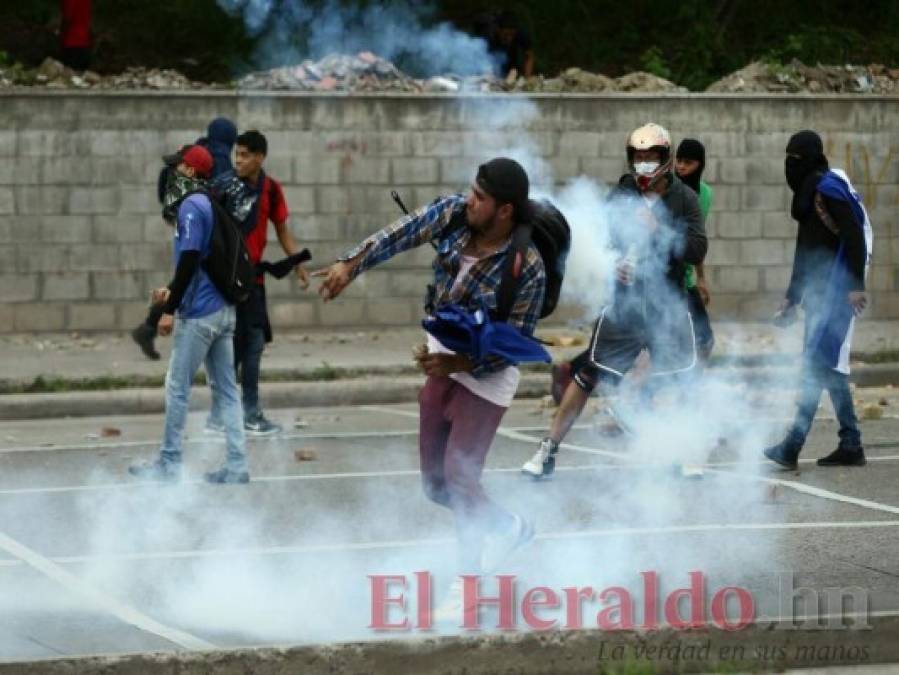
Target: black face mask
x,y
796,169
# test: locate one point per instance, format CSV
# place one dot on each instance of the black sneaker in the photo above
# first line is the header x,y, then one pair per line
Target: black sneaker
x,y
785,454
164,472
258,425
844,455
226,476
144,335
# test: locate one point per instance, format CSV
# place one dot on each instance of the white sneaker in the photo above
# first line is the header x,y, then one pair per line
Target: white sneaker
x,y
691,471
543,463
213,428
498,547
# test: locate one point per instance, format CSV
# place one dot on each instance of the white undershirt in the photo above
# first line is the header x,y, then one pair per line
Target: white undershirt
x,y
499,388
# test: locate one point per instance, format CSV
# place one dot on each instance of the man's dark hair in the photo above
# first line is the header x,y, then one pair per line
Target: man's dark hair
x,y
253,141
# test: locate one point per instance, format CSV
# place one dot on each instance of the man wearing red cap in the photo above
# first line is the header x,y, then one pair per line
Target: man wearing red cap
x,y
204,328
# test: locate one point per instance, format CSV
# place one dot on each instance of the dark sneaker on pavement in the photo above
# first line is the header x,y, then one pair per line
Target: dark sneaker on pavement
x,y
258,425
785,454
844,455
164,472
226,476
144,335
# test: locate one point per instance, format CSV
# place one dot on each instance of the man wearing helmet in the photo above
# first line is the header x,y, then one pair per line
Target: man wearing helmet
x,y
657,229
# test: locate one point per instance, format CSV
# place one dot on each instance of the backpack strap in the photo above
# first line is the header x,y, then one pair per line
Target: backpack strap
x,y
518,250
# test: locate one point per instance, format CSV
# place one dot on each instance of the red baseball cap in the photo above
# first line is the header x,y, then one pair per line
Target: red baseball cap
x,y
198,157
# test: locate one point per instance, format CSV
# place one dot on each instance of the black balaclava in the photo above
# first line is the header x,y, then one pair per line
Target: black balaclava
x,y
507,182
804,164
690,148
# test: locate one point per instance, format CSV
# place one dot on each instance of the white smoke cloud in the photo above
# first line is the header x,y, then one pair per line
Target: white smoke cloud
x,y
400,31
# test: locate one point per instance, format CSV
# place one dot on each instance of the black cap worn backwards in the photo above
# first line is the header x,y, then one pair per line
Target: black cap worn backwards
x,y
507,182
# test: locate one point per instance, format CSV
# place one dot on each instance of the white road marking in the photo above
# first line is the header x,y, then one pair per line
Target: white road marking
x,y
447,541
79,587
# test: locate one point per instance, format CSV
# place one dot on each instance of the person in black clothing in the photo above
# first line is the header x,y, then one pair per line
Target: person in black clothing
x,y
833,247
511,45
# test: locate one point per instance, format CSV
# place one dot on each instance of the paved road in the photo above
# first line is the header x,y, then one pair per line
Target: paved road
x,y
92,561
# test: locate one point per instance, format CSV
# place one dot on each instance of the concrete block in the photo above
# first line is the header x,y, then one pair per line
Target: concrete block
x,y
7,230
728,198
389,312
725,305
64,229
778,225
343,312
300,200
366,171
295,314
109,143
92,316
732,171
885,306
776,279
389,144
316,227
19,287
603,169
66,286
722,144
765,171
91,200
89,257
579,144
32,258
737,279
8,258
280,167
38,200
117,286
458,170
763,252
317,170
52,143
155,229
7,318
129,314
723,253
739,225
772,144
436,144
410,283
881,278
766,198
145,257
117,229
8,143
415,170
138,199
40,317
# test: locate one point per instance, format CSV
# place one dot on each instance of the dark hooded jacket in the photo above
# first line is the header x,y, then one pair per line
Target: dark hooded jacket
x,y
220,138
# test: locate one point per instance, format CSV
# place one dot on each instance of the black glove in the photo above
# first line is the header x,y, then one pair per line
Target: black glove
x,y
282,268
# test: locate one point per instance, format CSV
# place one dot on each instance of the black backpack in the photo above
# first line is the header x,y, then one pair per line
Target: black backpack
x,y
550,232
228,263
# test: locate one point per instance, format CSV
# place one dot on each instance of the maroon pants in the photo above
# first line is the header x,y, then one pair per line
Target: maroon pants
x,y
455,433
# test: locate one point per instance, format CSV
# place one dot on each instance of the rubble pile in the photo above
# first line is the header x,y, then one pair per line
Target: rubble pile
x,y
54,75
367,72
796,77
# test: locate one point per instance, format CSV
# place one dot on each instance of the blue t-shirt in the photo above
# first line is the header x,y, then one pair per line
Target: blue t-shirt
x,y
193,232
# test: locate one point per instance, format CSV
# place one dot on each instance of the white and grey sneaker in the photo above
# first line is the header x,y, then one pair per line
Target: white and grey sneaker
x,y
258,425
543,463
499,547
214,428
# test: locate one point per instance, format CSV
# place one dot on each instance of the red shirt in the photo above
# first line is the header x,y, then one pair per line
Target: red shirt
x,y
258,236
76,23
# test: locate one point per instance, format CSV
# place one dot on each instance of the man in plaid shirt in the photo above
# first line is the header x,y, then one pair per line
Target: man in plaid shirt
x,y
463,401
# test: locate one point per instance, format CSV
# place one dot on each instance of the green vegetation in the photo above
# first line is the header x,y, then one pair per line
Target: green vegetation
x,y
693,42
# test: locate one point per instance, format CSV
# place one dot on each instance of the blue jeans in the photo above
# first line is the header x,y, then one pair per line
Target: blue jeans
x,y
208,340
817,377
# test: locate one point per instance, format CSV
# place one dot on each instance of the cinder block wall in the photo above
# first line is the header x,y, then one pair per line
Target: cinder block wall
x,y
82,243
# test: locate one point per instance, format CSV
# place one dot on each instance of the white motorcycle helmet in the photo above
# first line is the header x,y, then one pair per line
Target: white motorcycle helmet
x,y
649,137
